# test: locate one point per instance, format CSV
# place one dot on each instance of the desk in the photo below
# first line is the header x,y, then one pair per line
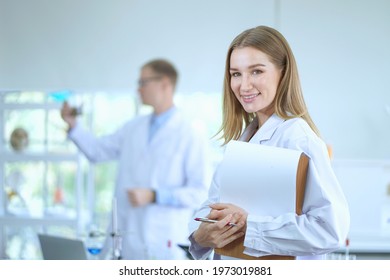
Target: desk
x,y
369,245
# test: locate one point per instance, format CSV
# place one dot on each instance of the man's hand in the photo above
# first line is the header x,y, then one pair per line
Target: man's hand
x,y
68,115
141,196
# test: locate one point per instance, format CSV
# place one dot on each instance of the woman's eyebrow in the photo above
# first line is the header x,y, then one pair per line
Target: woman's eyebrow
x,y
250,67
257,65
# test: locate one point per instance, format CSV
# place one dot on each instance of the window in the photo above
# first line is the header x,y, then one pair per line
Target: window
x,y
47,185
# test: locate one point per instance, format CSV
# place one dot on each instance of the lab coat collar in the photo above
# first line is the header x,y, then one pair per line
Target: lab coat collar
x,y
163,117
165,131
264,133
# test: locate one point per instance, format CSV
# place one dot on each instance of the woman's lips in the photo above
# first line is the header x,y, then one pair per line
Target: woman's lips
x,y
249,98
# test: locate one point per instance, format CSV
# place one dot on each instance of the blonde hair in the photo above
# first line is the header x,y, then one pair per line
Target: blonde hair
x,y
289,102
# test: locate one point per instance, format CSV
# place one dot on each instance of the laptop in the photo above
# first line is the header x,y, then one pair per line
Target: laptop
x,y
60,248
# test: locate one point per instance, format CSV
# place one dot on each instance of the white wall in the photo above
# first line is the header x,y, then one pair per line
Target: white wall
x,y
342,49
101,44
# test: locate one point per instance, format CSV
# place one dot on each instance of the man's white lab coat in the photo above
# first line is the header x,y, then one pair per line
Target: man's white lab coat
x,y
173,163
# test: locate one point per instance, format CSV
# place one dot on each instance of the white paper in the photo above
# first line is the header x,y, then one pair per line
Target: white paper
x,y
260,179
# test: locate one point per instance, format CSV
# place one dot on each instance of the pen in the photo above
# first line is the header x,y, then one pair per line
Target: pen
x,y
206,220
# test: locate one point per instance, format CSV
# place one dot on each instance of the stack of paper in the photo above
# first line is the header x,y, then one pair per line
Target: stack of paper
x,y
264,181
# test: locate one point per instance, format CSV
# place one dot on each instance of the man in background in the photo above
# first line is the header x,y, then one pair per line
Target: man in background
x,y
162,168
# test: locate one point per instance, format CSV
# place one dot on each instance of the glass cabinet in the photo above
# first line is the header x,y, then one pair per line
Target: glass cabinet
x,y
41,174
46,185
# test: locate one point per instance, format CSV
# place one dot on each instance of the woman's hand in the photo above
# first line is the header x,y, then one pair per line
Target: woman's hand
x,y
219,234
221,210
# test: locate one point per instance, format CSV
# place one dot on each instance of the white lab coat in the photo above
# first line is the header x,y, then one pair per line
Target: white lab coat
x,y
324,224
174,159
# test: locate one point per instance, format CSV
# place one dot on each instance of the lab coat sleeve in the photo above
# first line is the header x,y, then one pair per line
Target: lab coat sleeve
x,y
197,251
97,149
322,227
196,169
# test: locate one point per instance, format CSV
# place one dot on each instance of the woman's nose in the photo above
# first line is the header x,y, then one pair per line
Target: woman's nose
x,y
246,83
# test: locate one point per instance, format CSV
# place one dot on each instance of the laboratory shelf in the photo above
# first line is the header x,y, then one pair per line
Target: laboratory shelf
x,y
30,106
47,172
42,181
43,221
51,157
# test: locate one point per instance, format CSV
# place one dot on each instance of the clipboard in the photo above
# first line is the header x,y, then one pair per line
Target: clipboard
x,y
236,156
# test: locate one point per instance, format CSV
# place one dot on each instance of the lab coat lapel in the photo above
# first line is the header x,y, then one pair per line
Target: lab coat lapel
x,y
264,133
165,132
249,131
144,132
143,136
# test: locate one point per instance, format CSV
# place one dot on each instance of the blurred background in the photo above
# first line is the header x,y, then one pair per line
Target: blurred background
x,y
91,51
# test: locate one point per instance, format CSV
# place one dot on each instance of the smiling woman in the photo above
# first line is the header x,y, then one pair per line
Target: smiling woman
x,y
254,81
262,52
262,95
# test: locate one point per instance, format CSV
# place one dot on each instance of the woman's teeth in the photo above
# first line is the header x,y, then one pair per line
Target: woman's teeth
x,y
249,97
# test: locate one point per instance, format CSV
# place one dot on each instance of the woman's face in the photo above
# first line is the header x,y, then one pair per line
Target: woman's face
x,y
254,81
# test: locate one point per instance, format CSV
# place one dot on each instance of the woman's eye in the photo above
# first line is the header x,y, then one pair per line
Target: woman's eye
x,y
256,72
235,74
